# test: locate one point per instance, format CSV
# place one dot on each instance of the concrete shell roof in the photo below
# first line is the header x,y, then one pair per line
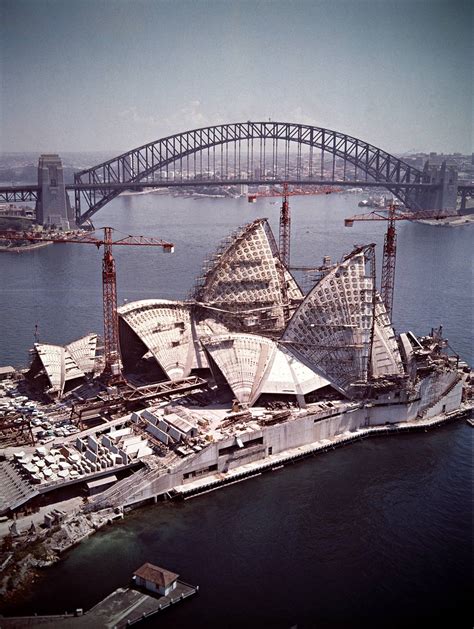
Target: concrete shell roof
x,y
289,375
245,285
386,359
170,332
246,272
83,352
62,364
327,340
253,364
331,330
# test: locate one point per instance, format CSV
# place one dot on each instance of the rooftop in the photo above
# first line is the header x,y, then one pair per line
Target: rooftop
x,y
155,574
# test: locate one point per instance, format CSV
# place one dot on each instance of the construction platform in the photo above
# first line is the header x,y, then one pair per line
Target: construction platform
x,y
122,608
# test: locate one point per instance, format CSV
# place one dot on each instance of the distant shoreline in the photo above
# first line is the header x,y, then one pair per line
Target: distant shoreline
x,y
36,245
456,221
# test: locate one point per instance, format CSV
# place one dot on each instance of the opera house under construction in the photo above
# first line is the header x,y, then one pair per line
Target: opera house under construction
x,y
253,373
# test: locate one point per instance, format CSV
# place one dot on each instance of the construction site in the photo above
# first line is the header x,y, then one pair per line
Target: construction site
x,y
245,374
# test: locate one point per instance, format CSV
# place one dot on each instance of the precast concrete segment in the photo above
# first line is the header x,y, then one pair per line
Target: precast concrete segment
x,y
253,365
386,359
62,364
331,330
170,330
247,283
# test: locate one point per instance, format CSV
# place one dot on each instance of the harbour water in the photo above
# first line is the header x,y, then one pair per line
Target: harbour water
x,y
378,533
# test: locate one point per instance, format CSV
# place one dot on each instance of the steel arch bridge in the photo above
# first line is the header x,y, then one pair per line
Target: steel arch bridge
x,y
249,152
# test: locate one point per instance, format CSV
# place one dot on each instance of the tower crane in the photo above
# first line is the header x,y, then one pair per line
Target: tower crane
x,y
112,372
390,243
285,216
285,228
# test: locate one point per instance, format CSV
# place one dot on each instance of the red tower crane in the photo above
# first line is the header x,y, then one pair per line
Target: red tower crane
x,y
390,243
113,365
285,228
285,216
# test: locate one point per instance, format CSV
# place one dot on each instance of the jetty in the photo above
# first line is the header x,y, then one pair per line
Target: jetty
x,y
124,607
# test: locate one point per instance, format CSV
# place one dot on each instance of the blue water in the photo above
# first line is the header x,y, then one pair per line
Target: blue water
x,y
376,534
59,287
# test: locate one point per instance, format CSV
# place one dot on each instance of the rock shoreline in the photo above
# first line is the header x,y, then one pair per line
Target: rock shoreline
x,y
25,553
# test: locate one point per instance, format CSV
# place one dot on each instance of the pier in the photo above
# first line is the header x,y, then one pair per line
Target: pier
x,y
124,607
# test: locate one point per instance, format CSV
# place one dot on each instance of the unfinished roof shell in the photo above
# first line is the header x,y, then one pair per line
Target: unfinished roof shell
x,y
386,359
246,284
337,330
62,364
83,352
245,287
332,329
253,365
170,331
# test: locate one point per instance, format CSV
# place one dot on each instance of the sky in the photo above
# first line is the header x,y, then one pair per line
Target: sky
x,y
110,75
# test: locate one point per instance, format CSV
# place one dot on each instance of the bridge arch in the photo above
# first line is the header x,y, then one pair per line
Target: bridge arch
x,y
244,149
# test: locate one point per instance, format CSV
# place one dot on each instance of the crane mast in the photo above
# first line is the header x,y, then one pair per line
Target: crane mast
x,y
285,215
387,285
113,364
112,372
285,228
388,263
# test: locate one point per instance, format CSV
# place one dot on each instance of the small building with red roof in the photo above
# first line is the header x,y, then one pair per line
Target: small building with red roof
x,y
155,579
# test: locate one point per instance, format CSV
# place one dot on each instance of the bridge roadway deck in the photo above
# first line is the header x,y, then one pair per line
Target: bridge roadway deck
x,y
228,182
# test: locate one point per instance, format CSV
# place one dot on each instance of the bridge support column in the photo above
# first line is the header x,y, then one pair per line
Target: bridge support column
x,y
53,206
444,195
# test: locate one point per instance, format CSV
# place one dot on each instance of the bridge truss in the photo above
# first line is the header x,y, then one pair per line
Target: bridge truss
x,y
249,152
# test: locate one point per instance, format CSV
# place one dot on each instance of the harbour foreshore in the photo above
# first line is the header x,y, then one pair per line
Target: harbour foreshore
x,y
276,461
46,549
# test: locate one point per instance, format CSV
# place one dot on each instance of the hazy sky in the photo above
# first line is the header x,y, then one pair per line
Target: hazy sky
x,y
114,74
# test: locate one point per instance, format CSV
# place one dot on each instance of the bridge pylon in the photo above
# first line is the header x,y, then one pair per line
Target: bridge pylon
x,y
443,193
53,206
